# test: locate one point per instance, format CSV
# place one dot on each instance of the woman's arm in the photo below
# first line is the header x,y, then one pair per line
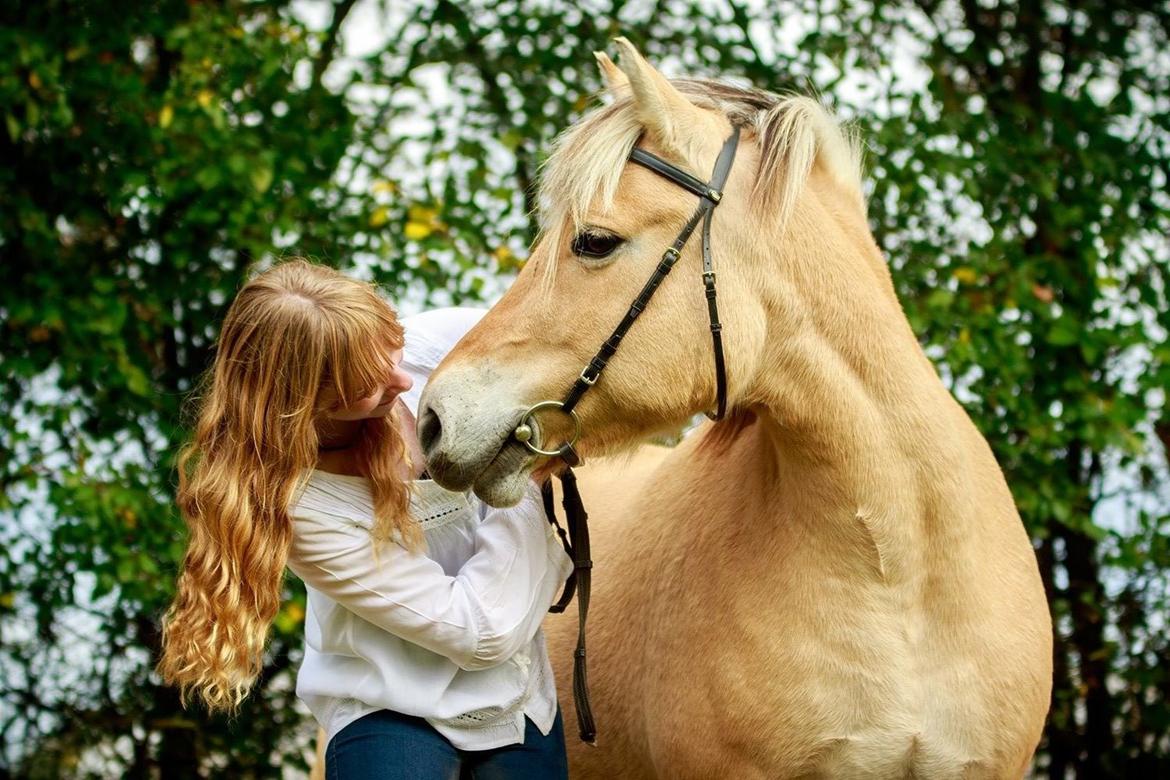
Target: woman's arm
x,y
478,618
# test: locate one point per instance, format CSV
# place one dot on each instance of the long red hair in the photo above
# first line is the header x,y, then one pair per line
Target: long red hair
x,y
293,331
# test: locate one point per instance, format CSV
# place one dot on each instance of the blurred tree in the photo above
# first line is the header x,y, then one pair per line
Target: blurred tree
x,y
1018,158
1022,200
151,151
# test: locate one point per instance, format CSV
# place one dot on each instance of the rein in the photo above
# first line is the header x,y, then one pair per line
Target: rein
x,y
576,541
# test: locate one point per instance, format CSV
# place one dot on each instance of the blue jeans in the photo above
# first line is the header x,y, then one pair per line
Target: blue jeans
x,y
387,745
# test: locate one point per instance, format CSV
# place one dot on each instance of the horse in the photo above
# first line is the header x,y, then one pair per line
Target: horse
x,y
831,581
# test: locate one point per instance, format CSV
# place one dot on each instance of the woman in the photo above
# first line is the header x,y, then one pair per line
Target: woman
x,y
423,651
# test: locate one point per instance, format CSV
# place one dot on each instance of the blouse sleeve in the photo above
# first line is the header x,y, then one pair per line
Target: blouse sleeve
x,y
478,618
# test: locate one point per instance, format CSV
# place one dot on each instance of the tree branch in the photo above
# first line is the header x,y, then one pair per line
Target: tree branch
x,y
329,45
478,57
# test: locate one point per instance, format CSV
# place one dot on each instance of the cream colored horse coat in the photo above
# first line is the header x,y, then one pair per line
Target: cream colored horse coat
x,y
832,583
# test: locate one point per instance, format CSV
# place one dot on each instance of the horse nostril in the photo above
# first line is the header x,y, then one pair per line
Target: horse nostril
x,y
430,430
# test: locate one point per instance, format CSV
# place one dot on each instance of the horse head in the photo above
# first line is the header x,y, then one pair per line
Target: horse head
x,y
788,239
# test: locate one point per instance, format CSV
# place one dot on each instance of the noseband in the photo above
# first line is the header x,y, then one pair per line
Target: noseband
x,y
577,540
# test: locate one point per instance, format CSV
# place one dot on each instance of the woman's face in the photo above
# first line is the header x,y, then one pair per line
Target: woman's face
x,y
377,404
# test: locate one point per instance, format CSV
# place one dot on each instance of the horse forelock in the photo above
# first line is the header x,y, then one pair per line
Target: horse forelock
x,y
584,167
794,133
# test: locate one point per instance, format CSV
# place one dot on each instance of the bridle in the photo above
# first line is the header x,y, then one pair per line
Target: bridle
x,y
710,194
576,543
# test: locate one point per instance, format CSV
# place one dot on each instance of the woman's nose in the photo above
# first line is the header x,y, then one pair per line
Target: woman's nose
x,y
401,381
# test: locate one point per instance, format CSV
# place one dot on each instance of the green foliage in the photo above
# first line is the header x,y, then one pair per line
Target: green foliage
x,y
152,151
1032,203
1018,163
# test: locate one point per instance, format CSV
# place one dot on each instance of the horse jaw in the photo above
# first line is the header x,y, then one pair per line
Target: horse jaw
x,y
465,428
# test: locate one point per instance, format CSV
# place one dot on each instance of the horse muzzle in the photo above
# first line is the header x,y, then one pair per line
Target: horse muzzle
x,y
468,439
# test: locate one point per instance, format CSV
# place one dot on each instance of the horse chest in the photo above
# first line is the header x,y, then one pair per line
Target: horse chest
x,y
728,652
780,673
785,713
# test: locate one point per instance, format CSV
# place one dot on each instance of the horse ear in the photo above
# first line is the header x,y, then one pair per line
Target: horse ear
x,y
662,109
615,80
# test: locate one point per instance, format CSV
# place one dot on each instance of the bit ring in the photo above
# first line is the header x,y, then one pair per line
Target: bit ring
x,y
525,430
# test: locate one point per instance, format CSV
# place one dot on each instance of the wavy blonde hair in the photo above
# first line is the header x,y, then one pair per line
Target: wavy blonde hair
x,y
291,333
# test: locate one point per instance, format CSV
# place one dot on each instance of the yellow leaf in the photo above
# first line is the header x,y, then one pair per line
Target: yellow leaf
x,y
7,600
289,618
417,231
165,117
34,81
422,214
965,274
384,186
505,259
261,177
964,336
379,217
204,97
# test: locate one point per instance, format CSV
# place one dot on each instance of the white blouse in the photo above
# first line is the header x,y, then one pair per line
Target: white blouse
x,y
452,635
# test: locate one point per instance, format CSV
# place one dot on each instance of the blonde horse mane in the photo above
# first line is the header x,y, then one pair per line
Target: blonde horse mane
x,y
794,132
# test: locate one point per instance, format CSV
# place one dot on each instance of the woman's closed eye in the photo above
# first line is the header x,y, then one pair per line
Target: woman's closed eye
x,y
596,244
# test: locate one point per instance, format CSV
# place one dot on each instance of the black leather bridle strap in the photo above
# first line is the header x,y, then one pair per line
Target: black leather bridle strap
x,y
576,542
590,374
710,194
718,179
578,522
577,546
550,511
712,191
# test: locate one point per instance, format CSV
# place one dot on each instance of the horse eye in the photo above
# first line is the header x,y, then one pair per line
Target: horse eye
x,y
597,245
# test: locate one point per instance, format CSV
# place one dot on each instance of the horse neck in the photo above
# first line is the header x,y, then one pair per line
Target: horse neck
x,y
841,371
852,417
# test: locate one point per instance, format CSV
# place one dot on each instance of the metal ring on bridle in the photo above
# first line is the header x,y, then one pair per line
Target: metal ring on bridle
x,y
525,429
